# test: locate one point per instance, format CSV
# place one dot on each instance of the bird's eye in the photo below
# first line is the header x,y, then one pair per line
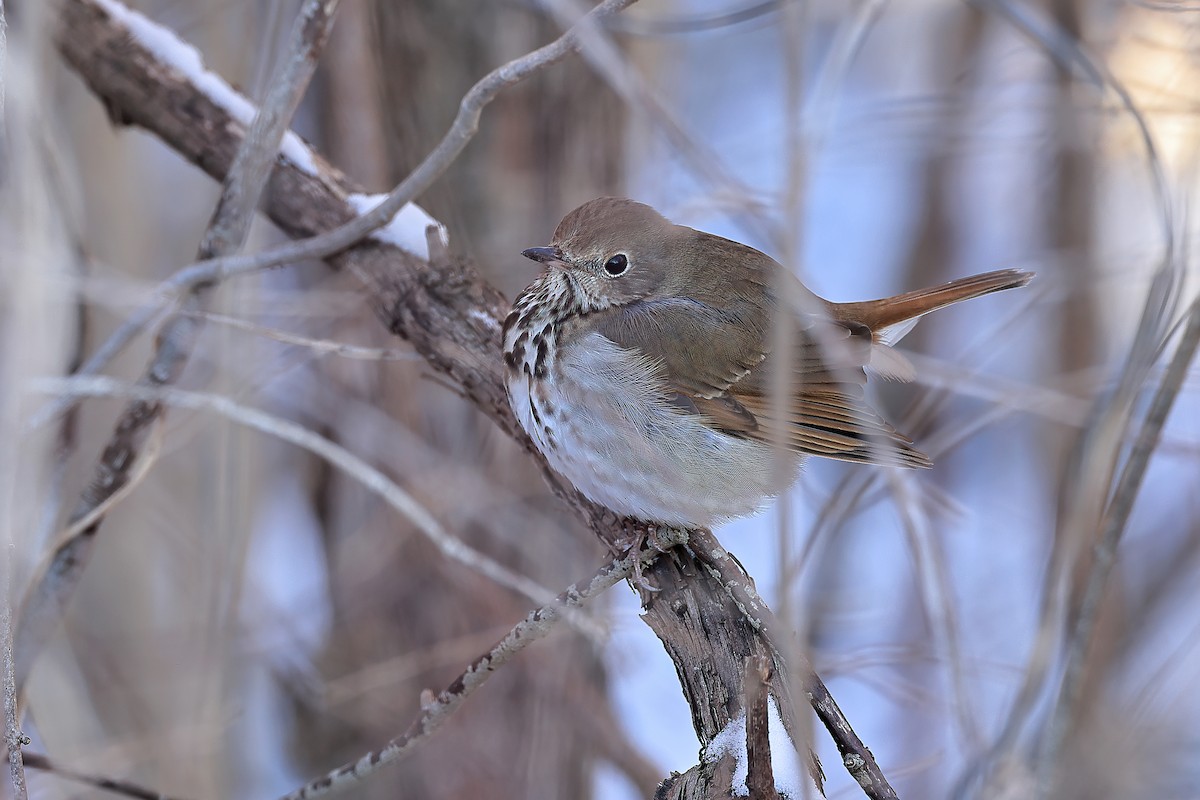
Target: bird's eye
x,y
616,265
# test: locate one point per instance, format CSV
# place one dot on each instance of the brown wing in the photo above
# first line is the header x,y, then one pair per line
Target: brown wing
x,y
717,362
834,424
827,413
703,350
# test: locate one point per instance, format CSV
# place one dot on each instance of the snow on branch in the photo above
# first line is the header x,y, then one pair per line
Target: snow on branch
x,y
451,317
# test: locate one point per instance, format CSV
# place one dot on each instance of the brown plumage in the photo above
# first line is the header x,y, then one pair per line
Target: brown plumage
x,y
696,317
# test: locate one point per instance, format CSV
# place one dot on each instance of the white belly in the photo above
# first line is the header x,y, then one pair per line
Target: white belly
x,y
624,447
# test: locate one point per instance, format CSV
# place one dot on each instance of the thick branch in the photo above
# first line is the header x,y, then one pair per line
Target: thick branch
x,y
452,318
243,187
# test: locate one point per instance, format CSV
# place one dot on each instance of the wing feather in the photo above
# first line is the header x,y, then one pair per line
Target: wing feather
x,y
717,363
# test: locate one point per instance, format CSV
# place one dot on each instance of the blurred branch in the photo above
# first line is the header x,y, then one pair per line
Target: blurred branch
x,y
937,600
114,785
1099,452
286,430
317,346
3,77
436,710
707,616
603,55
354,229
137,472
1066,52
681,25
1105,548
14,740
242,189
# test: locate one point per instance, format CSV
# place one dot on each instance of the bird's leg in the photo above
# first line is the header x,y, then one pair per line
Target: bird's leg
x,y
641,539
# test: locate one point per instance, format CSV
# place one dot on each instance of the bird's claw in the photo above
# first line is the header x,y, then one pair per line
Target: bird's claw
x,y
643,538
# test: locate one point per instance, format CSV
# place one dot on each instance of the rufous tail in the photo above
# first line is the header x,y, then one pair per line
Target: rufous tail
x,y
880,315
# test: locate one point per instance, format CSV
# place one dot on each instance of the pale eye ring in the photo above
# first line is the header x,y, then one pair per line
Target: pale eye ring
x,y
617,265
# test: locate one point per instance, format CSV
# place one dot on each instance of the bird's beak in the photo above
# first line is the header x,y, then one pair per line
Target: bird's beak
x,y
545,255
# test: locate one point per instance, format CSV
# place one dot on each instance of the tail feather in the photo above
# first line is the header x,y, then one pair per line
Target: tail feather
x,y
879,315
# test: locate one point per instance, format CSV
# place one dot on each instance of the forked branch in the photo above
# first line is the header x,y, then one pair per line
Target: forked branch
x,y
452,318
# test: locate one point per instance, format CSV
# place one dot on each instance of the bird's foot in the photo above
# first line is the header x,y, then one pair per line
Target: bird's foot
x,y
647,542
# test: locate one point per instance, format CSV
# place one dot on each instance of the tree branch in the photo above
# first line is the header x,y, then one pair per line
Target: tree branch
x,y
1104,550
285,430
243,186
437,710
453,319
114,785
14,739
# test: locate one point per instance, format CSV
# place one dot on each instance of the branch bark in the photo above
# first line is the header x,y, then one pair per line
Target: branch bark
x,y
706,614
242,188
14,739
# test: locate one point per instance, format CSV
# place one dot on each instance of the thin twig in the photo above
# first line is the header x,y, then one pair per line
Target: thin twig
x,y
370,477
1105,548
14,740
461,131
115,785
937,599
1111,414
319,346
241,192
449,314
437,710
760,775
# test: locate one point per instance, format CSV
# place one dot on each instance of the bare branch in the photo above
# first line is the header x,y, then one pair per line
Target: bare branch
x,y
760,777
326,244
247,178
436,710
452,318
114,785
855,756
1104,550
14,740
370,477
243,187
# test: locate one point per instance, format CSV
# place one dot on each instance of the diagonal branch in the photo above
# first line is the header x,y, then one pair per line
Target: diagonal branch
x,y
320,244
242,189
536,625
13,739
112,785
452,318
1116,517
285,430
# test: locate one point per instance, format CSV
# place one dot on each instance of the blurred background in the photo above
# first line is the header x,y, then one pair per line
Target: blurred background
x,y
251,617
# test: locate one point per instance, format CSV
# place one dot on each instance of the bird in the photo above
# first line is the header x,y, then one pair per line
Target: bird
x,y
681,378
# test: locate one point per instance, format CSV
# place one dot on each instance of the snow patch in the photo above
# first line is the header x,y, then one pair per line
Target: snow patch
x,y
183,57
731,741
790,775
406,230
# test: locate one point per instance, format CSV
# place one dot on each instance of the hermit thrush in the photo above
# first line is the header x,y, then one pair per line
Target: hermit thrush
x,y
642,363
